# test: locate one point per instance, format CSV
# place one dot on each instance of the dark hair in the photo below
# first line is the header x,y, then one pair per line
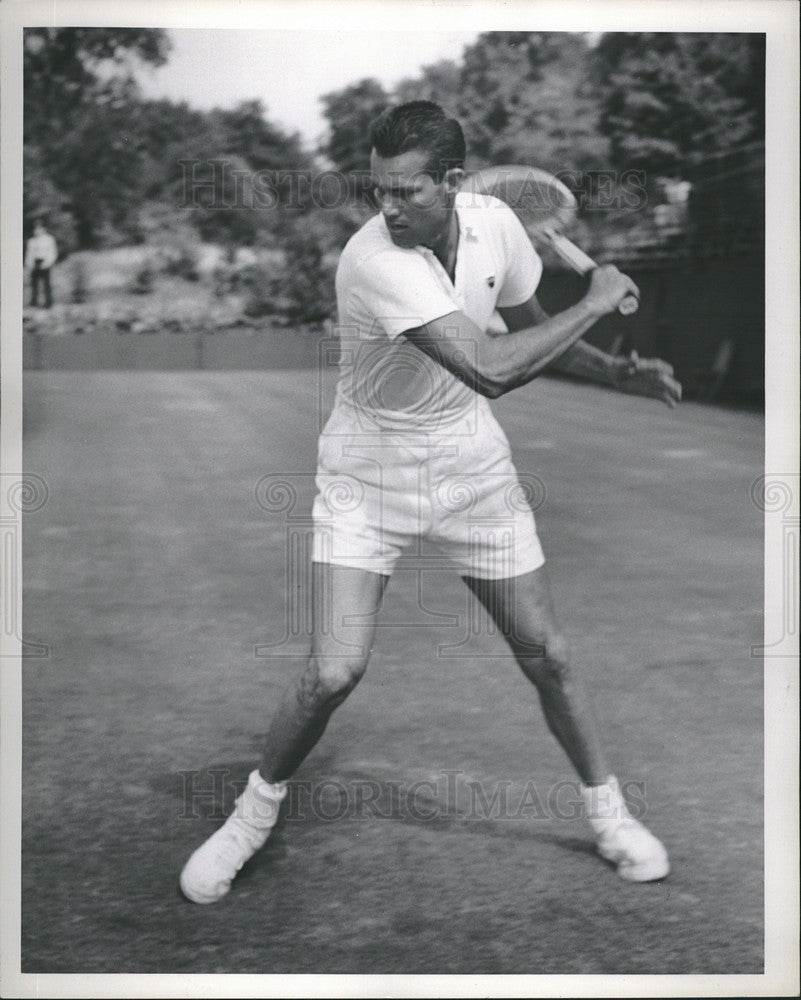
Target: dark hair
x,y
420,125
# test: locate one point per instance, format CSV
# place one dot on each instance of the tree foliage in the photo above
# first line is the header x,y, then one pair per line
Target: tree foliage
x,y
65,68
349,112
564,101
525,98
97,154
245,131
78,93
522,97
108,166
617,114
440,82
692,107
669,99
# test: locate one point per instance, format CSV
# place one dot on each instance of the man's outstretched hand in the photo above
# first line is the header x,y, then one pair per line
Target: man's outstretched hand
x,y
647,377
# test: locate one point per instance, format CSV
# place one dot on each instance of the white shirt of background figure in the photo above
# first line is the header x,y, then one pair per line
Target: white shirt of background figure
x,y
41,247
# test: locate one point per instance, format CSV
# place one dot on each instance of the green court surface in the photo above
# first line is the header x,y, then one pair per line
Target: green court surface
x,y
431,830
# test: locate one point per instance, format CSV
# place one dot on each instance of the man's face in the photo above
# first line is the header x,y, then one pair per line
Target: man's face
x,y
415,208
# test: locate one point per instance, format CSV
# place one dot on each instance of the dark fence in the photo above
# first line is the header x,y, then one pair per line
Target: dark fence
x,y
707,318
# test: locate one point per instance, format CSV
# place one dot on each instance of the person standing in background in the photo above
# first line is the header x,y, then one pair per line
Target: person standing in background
x,y
40,255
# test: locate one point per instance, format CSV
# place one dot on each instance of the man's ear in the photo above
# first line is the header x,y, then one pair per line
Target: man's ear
x,y
453,179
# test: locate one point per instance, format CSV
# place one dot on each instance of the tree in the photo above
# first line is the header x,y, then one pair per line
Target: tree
x,y
350,112
246,132
692,107
96,151
206,164
521,97
439,82
78,91
525,98
40,196
671,98
65,67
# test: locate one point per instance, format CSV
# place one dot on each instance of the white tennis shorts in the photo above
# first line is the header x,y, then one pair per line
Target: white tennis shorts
x,y
380,493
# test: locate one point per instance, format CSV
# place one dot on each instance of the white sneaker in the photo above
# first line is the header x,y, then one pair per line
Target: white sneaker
x,y
639,856
623,840
209,872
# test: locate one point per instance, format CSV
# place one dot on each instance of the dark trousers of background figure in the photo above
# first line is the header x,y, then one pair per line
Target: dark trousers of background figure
x,y
41,275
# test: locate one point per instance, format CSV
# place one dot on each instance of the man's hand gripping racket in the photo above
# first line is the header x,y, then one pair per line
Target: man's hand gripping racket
x,y
545,205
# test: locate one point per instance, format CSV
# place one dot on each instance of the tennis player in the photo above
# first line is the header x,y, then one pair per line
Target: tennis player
x,y
422,288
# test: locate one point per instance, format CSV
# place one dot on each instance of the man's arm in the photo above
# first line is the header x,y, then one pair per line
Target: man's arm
x,y
580,358
638,376
495,365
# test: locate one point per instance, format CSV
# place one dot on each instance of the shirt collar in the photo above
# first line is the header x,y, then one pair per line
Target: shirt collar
x,y
467,233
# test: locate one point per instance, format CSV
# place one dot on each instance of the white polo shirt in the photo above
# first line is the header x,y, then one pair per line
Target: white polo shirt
x,y
384,290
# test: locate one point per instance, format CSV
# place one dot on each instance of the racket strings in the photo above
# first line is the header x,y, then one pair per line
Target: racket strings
x,y
540,201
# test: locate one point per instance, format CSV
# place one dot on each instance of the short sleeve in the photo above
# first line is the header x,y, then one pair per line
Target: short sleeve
x,y
399,290
523,264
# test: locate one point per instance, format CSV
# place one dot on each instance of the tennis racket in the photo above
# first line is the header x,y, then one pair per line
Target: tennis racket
x,y
544,205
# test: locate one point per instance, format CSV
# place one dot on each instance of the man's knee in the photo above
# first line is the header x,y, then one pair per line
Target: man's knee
x,y
336,676
545,658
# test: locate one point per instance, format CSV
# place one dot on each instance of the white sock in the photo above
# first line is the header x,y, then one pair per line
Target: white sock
x,y
259,803
604,805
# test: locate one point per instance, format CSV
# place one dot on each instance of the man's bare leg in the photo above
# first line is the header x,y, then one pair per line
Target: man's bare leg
x,y
345,606
522,608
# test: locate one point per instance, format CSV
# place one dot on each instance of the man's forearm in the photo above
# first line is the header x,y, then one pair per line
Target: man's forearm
x,y
586,361
518,357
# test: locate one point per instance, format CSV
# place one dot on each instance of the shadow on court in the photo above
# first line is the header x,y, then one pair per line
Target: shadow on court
x,y
434,828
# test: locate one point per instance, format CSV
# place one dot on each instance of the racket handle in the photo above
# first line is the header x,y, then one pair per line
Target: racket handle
x,y
583,263
569,252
